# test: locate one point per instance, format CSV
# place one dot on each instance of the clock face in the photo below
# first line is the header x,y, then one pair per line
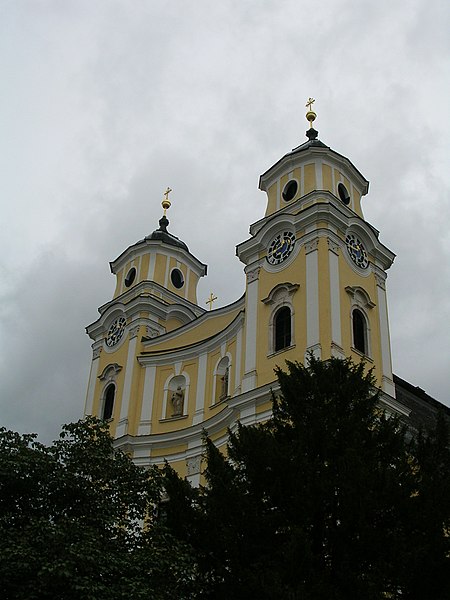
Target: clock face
x,y
115,332
280,247
356,250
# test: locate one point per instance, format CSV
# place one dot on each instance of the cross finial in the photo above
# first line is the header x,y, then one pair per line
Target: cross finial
x,y
166,202
310,115
211,300
310,103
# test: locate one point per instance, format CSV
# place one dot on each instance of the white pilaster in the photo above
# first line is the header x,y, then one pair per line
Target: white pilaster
x,y
319,178
335,299
122,427
145,426
312,297
238,366
386,361
251,314
92,381
151,267
201,388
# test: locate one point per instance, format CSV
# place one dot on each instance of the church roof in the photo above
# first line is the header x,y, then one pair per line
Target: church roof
x,y
164,236
312,144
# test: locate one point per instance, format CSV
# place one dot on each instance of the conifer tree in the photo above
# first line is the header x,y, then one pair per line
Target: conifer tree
x,y
331,498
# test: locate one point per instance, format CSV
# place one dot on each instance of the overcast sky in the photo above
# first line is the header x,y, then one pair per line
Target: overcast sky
x,y
105,103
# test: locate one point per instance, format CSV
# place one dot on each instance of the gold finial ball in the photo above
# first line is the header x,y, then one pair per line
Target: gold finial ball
x,y
166,204
311,116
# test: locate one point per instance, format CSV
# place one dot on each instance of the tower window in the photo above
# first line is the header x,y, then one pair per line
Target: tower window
x,y
131,276
282,324
222,375
289,190
177,278
108,403
343,194
359,331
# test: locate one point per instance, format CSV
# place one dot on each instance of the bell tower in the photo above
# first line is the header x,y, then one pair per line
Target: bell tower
x,y
316,268
156,292
164,369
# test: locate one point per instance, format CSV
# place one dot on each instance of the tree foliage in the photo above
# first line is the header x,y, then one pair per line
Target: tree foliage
x,y
71,518
331,498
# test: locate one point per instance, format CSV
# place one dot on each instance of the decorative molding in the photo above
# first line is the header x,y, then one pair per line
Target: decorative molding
x,y
193,465
311,245
381,281
253,275
337,351
152,332
134,331
359,296
316,350
96,352
280,292
333,246
110,371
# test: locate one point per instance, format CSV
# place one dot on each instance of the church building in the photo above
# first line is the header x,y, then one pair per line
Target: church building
x,y
164,369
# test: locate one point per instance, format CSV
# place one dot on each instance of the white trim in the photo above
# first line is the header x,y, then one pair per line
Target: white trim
x,y
319,177
201,388
122,426
89,404
147,401
278,204
386,361
251,331
312,298
187,282
237,370
166,274
151,266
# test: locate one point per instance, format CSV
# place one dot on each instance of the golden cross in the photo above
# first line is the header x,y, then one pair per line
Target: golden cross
x,y
211,300
310,103
166,202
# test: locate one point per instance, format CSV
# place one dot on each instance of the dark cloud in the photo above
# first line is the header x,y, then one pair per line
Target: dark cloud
x,y
107,103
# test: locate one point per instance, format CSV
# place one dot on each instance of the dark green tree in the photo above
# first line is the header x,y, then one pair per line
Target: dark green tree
x,y
331,498
71,518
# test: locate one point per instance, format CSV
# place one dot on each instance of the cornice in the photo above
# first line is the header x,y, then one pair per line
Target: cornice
x,y
304,155
330,211
187,352
226,418
152,246
205,316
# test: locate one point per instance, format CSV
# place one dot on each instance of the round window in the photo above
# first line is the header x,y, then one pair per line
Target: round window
x,y
177,278
131,276
343,193
289,190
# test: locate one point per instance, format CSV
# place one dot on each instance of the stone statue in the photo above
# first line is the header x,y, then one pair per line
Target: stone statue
x,y
224,382
177,402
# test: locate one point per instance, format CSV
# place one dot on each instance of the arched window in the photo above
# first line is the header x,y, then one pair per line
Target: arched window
x,y
359,331
282,328
222,376
108,402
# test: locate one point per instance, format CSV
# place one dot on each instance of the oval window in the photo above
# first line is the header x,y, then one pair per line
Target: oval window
x,y
177,278
343,194
289,190
131,276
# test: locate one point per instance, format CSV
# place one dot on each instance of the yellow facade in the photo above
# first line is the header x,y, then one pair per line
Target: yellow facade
x,y
164,369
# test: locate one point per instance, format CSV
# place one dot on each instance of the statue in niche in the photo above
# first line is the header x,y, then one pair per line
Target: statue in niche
x,y
177,402
224,384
